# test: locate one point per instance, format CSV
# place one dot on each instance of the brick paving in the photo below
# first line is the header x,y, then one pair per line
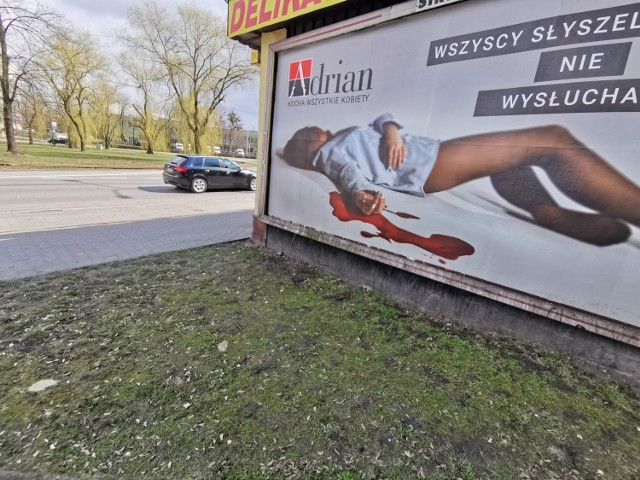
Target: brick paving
x,y
34,253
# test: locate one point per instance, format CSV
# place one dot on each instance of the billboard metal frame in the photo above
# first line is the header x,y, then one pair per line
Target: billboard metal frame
x,y
569,315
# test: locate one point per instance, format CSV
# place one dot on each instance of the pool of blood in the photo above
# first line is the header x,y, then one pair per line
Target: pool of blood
x,y
441,245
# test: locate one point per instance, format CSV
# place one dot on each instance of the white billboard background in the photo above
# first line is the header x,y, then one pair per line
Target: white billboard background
x,y
439,101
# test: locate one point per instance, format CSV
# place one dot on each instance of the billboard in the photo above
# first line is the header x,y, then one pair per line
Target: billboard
x,y
428,4
493,141
249,15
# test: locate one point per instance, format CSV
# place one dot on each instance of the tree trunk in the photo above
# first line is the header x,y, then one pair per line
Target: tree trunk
x,y
7,110
197,141
8,125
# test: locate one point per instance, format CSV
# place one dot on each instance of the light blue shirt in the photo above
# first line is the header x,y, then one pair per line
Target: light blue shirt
x,y
354,159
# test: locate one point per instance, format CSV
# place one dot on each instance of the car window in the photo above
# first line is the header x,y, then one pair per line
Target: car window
x,y
196,162
211,162
229,164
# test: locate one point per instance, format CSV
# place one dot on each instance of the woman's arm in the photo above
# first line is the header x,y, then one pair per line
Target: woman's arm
x,y
345,173
395,150
362,192
394,146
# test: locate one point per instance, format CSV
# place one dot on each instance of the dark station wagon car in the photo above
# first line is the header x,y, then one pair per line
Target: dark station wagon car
x,y
199,173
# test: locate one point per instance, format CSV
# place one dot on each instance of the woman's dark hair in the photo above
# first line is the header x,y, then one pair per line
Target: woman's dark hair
x,y
296,152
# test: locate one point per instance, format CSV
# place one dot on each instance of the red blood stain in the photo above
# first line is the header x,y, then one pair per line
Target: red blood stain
x,y
441,245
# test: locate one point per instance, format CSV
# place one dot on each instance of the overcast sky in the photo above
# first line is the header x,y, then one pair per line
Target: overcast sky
x,y
103,18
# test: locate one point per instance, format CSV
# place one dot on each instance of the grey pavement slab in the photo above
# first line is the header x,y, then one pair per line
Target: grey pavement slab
x,y
34,253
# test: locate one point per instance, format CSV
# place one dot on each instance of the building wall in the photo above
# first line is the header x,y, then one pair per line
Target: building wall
x,y
245,139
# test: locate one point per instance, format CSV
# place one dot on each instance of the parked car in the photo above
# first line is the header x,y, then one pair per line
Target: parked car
x,y
199,173
239,152
59,137
176,147
217,150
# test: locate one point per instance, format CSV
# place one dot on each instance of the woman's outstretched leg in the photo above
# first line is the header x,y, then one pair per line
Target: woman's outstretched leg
x,y
577,171
521,187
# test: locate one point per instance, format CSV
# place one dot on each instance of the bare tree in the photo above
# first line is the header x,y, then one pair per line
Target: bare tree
x,y
145,76
71,66
233,125
200,64
107,107
23,26
31,107
234,121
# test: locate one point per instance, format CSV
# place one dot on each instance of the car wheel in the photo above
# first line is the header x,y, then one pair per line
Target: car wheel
x,y
252,184
198,185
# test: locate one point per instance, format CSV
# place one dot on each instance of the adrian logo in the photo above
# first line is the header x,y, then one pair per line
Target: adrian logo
x,y
300,78
302,84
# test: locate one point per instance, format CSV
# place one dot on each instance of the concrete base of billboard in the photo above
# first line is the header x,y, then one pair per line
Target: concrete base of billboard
x,y
595,352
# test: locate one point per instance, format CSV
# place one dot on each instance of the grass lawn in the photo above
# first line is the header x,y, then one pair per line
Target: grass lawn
x,y
233,362
46,156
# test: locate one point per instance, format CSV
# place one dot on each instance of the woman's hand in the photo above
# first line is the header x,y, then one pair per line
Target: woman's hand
x,y
370,203
394,146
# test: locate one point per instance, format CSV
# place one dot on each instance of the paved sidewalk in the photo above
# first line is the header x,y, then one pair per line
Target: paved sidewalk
x,y
28,254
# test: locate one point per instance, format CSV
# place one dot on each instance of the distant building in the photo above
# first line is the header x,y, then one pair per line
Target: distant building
x,y
244,139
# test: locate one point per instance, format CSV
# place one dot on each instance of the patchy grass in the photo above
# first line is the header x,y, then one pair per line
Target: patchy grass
x,y
45,156
60,156
233,362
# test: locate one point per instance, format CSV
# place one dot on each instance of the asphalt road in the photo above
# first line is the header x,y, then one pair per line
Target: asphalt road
x,y
58,220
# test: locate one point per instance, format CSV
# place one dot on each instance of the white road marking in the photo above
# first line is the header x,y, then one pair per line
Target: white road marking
x,y
6,239
94,175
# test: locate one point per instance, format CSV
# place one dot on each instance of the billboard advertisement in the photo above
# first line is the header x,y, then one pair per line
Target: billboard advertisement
x,y
495,140
249,15
427,4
